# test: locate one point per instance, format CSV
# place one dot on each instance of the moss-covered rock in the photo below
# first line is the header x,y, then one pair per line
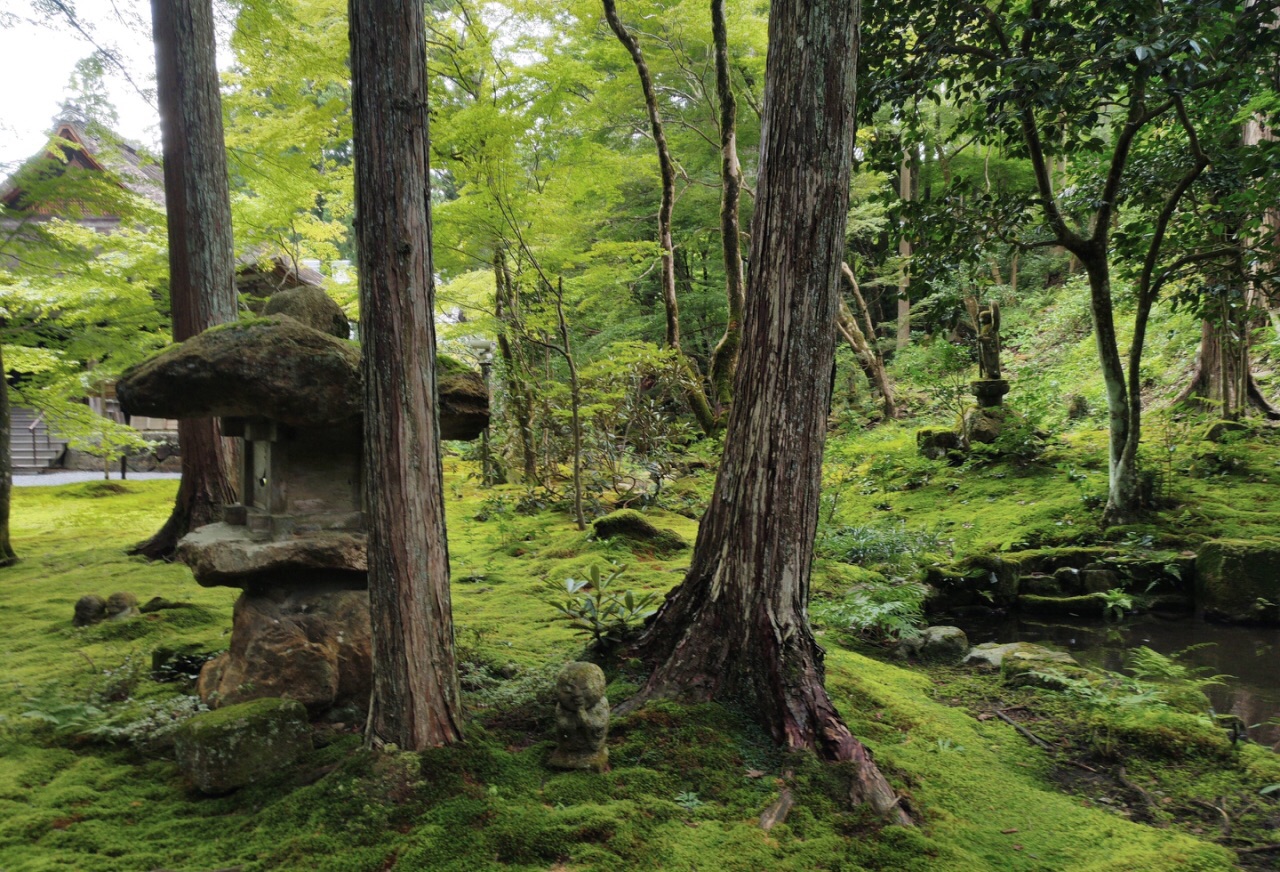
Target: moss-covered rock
x,y
311,306
1238,581
222,750
1091,605
282,369
1224,431
936,443
630,524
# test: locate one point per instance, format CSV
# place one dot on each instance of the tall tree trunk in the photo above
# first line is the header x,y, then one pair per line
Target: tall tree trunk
x,y
1123,410
737,628
201,255
7,555
867,354
905,189
1223,381
694,393
725,359
416,702
507,310
575,406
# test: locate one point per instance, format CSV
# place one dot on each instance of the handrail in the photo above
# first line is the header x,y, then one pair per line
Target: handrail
x,y
39,417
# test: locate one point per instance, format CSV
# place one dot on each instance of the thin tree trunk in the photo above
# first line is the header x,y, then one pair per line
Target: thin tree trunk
x,y
1122,480
725,359
7,555
737,628
518,394
201,255
416,701
867,354
575,402
694,392
905,188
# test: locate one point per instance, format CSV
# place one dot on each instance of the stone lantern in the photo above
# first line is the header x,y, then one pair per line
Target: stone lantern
x,y
291,393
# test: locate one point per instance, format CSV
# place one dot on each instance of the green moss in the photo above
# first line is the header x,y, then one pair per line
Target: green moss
x,y
84,806
1240,580
633,526
1092,605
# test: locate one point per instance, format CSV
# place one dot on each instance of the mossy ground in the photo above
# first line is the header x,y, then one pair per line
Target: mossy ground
x,y
687,783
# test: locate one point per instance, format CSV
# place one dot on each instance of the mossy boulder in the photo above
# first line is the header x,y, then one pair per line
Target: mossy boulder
x,y
311,306
282,369
1090,605
1238,581
1224,431
938,645
936,443
635,527
223,750
991,655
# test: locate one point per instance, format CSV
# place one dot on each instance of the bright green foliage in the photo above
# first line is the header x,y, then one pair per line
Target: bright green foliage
x,y
597,607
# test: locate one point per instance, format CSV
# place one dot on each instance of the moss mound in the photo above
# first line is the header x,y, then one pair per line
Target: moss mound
x,y
631,525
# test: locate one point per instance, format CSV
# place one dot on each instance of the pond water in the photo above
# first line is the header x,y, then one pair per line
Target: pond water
x,y
1247,657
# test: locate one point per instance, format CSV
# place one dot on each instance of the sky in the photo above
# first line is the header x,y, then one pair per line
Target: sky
x,y
38,54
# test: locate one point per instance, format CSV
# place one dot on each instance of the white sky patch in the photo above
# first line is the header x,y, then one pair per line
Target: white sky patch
x,y
38,55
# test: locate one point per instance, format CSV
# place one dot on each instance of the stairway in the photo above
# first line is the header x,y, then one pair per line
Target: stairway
x,y
32,448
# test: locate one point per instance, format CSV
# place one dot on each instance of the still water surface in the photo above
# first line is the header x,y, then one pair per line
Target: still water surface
x,y
1247,657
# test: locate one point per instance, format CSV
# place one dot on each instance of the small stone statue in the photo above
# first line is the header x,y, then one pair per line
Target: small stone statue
x,y
582,719
989,342
90,609
121,606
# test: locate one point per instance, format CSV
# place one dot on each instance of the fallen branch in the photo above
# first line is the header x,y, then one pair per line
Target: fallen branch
x,y
1032,737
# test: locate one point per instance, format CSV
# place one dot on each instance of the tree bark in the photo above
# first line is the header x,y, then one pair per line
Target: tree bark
x,y
7,555
867,355
905,189
507,310
694,394
724,361
737,628
201,254
416,702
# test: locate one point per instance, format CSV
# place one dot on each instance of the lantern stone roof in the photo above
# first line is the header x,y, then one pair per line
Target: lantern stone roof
x,y
282,370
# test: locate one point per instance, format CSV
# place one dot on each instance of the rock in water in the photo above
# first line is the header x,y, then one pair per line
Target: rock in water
x,y
90,609
222,750
1238,581
582,719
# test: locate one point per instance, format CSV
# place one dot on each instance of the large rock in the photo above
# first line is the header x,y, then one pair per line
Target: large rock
x,y
311,306
283,370
992,655
938,644
313,647
223,750
224,555
630,524
1238,581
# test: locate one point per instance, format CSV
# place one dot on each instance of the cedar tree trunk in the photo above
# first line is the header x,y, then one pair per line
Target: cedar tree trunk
x,y
905,190
737,628
201,255
415,697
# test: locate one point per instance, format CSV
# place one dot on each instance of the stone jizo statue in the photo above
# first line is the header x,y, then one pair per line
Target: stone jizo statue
x,y
582,719
989,342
